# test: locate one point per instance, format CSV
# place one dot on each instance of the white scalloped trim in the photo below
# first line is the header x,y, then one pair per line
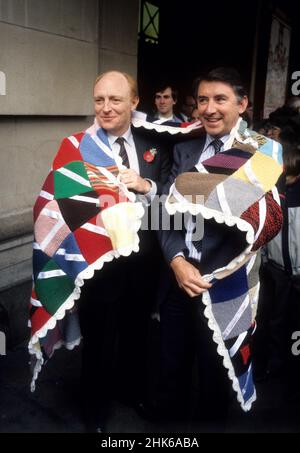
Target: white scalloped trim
x,y
209,213
40,361
184,206
223,352
138,122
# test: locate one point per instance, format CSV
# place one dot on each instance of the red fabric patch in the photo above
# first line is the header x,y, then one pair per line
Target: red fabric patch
x,y
41,201
67,153
92,245
39,319
273,221
245,353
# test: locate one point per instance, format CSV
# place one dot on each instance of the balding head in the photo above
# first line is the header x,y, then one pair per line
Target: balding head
x,y
115,98
130,80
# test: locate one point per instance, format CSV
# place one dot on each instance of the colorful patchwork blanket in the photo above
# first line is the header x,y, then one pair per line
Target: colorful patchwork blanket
x,y
234,194
84,217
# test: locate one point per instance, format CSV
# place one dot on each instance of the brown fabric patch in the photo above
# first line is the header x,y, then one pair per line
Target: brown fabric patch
x,y
192,184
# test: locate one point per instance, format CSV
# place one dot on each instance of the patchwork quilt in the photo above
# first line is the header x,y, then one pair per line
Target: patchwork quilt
x,y
234,195
83,217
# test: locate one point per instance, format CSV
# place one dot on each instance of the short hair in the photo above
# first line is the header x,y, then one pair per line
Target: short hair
x,y
131,81
291,157
282,116
293,102
164,86
230,76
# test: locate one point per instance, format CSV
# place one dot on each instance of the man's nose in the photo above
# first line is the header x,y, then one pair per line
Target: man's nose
x,y
210,107
106,105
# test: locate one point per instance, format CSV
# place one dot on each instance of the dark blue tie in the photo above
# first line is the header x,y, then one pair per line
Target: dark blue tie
x,y
123,153
217,144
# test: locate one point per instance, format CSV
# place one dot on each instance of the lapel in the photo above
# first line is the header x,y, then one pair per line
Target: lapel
x,y
142,145
193,152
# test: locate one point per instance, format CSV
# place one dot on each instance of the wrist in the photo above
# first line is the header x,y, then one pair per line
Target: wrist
x,y
177,260
147,186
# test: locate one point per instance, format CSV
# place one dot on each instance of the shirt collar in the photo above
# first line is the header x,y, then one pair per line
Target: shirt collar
x,y
127,136
209,139
166,118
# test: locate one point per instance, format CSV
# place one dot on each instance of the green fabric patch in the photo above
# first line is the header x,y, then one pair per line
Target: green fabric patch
x,y
64,184
54,291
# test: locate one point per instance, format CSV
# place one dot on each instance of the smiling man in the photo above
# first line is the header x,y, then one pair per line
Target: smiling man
x,y
229,158
116,303
87,215
220,106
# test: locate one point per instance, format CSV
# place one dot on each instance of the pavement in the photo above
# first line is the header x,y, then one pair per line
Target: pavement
x,y
54,406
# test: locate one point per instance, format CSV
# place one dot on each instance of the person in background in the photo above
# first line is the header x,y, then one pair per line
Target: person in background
x,y
221,100
279,312
187,108
165,99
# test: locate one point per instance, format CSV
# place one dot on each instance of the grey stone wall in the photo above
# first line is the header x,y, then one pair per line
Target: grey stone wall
x,y
118,30
27,148
50,55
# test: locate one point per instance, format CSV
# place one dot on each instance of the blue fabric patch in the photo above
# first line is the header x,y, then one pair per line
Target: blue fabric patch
x,y
267,149
231,287
103,136
246,384
39,261
71,268
94,155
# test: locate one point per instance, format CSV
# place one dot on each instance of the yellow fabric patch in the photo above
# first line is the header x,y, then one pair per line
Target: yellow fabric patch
x,y
264,168
122,221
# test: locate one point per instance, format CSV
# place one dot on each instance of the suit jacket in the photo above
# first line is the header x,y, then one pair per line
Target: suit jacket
x,y
186,156
225,250
158,170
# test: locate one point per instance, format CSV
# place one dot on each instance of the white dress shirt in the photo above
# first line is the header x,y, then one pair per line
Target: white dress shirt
x,y
133,161
208,151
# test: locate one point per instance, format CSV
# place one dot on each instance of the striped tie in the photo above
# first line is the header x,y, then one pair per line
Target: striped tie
x,y
217,144
123,153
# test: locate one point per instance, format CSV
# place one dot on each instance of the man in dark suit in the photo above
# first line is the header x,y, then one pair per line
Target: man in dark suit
x,y
165,99
221,99
116,303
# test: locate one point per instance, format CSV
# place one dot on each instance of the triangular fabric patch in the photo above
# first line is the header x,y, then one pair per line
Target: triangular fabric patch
x,y
66,153
69,257
83,205
92,241
70,180
45,195
53,287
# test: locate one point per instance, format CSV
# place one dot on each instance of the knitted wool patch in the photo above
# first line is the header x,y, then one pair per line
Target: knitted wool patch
x,y
245,216
71,239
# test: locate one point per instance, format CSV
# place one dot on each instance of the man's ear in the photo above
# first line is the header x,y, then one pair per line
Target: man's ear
x,y
134,102
243,104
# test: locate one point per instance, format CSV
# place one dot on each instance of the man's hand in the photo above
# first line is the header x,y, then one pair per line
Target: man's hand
x,y
133,181
188,277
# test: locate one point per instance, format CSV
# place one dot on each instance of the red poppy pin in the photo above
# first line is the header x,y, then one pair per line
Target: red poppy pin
x,y
150,154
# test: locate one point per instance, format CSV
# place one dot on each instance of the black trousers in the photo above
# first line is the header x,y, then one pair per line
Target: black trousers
x,y
185,336
114,313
